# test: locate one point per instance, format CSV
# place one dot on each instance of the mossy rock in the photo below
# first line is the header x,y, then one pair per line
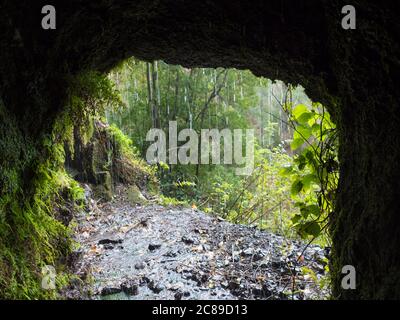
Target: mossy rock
x,y
135,196
104,189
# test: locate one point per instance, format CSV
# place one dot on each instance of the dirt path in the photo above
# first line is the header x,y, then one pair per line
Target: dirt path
x,y
153,252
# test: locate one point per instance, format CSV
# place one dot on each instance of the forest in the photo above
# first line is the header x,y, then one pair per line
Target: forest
x,y
296,163
199,151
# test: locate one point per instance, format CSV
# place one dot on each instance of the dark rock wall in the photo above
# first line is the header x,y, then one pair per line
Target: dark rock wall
x,y
355,73
91,161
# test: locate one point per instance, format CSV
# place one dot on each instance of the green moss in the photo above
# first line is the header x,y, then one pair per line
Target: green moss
x,y
31,236
123,142
135,196
128,167
33,185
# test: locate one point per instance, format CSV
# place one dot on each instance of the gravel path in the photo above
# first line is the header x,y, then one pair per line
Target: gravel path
x,y
153,252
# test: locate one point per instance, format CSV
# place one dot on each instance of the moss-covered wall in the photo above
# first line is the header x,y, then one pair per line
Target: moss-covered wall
x,y
33,216
104,157
353,72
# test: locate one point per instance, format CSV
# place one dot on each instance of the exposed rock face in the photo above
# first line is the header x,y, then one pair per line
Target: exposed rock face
x,y
91,161
101,162
355,73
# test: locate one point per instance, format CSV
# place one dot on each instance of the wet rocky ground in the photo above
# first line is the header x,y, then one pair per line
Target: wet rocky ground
x,y
153,252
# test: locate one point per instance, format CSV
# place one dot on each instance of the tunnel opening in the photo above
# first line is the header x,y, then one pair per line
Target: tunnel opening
x,y
282,119
167,135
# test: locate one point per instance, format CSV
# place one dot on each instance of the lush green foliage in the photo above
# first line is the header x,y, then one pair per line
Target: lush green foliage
x,y
262,199
315,170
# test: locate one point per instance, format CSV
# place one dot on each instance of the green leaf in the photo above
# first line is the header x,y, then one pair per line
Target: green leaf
x,y
316,129
309,155
299,110
297,186
301,162
305,117
308,179
311,228
296,218
304,132
314,210
304,212
296,143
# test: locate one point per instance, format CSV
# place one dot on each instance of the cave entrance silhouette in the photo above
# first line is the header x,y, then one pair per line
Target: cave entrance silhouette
x,y
299,43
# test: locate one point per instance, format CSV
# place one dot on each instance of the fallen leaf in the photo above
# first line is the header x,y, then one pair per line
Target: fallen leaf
x,y
95,249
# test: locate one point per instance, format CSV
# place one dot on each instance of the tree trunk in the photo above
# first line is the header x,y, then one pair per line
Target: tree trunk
x,y
176,95
150,94
156,95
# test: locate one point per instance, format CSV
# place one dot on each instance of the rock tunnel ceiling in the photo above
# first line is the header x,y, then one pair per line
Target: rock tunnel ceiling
x,y
279,41
354,72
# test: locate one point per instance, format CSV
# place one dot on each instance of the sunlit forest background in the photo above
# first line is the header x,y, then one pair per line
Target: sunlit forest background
x,y
291,189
